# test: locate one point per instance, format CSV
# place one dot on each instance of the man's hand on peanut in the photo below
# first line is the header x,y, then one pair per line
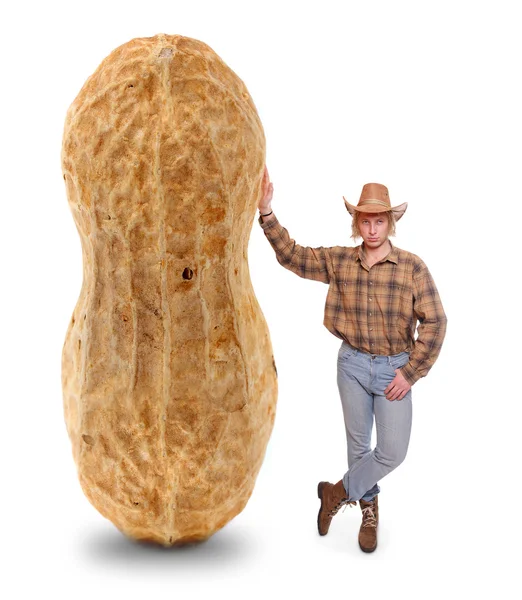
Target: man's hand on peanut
x,y
267,193
398,388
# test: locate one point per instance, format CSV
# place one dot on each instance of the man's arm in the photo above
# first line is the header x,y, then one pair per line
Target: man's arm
x,y
309,263
432,326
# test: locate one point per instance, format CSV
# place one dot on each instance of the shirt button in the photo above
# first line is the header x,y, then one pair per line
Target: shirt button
x,y
371,282
371,328
370,314
370,299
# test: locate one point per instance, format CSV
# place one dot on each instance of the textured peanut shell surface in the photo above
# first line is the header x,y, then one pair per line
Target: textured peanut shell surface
x,y
169,381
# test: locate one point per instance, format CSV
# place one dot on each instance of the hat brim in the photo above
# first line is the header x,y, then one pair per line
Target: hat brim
x,y
398,211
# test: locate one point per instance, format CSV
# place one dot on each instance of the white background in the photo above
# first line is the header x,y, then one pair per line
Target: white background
x,y
424,97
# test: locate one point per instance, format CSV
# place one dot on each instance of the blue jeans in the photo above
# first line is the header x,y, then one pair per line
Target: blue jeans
x,y
362,379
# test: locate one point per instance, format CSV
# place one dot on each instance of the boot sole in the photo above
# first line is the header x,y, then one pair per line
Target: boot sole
x,y
320,487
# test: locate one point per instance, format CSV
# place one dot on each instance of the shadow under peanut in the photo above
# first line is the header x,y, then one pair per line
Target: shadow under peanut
x,y
107,547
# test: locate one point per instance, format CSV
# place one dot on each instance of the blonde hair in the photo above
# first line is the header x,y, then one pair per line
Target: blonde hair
x,y
356,233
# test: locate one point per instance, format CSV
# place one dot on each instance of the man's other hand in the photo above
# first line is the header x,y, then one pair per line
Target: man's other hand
x,y
398,388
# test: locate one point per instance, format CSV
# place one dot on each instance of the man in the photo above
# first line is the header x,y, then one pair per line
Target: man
x,y
377,293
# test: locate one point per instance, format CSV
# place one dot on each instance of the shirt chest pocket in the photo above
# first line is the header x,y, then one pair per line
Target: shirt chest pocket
x,y
349,287
402,307
348,280
349,301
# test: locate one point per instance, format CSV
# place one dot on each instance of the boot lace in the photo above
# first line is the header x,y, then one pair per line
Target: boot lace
x,y
369,519
334,510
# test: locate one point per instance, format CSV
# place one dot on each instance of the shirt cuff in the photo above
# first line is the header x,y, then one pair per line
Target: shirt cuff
x,y
267,224
409,373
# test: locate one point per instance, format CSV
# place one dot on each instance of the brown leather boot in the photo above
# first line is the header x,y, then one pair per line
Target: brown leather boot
x,y
370,521
332,498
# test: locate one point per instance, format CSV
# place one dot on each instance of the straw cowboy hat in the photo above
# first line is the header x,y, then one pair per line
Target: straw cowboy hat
x,y
375,199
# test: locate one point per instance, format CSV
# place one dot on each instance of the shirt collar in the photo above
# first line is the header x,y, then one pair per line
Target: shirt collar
x,y
392,255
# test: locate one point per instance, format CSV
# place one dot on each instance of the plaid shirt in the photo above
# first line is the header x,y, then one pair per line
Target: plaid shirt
x,y
373,309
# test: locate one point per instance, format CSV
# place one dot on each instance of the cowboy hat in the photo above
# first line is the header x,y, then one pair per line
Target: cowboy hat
x,y
375,199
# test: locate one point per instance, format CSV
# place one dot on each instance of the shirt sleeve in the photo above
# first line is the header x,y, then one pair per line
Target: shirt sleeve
x,y
309,263
432,326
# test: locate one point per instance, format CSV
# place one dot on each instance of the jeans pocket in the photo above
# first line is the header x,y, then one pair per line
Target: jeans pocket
x,y
397,362
345,352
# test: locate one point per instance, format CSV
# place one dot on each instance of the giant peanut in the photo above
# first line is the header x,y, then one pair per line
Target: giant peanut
x,y
169,380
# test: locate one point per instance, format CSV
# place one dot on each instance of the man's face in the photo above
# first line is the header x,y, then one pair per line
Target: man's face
x,y
374,229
